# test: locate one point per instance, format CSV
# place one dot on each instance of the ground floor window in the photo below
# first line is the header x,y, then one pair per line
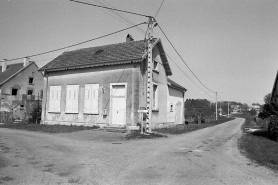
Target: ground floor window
x,y
54,98
155,97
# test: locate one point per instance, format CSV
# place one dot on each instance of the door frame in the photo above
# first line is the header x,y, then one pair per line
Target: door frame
x,y
110,108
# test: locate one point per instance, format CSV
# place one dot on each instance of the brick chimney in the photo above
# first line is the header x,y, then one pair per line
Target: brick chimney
x,y
4,65
26,61
129,38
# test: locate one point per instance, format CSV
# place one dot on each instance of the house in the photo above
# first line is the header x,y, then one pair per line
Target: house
x,y
274,93
20,84
107,85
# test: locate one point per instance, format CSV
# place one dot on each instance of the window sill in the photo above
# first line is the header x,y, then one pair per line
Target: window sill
x,y
71,112
58,112
90,113
155,110
31,84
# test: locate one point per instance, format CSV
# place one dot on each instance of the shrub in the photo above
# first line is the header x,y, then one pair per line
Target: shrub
x,y
273,128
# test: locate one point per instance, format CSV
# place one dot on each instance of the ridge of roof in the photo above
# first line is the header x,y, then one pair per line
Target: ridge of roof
x,y
175,85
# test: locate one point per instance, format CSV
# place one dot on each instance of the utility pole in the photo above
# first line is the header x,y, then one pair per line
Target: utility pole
x,y
216,112
149,77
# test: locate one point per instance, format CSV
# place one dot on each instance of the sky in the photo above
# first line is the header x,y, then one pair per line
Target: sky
x,y
230,45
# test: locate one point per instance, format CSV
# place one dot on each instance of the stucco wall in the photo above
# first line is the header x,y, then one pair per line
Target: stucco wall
x,y
21,80
98,75
176,99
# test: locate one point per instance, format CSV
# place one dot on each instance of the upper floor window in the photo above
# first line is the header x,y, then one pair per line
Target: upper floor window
x,y
15,90
30,92
155,65
31,80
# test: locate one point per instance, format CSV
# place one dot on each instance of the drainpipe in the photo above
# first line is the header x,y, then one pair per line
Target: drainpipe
x,y
46,90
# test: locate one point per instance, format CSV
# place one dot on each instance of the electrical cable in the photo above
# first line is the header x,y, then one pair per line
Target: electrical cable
x,y
110,8
183,59
77,43
159,8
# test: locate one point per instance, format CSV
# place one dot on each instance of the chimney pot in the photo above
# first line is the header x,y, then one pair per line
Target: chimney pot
x,y
4,65
26,61
129,38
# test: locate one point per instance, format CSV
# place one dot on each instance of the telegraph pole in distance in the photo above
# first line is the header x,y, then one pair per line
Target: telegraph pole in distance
x,y
216,106
228,110
149,77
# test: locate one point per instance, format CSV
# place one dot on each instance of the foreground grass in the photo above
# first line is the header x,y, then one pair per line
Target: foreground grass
x,y
180,129
46,128
257,147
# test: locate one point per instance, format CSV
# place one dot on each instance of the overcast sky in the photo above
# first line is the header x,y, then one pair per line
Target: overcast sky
x,y
230,45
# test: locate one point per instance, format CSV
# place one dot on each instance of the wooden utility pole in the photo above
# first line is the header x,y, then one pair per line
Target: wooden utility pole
x,y
149,77
216,112
228,110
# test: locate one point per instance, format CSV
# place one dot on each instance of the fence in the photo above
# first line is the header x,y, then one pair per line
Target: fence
x,y
6,117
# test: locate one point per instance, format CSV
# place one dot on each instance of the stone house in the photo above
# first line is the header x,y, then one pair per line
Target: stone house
x,y
107,85
20,84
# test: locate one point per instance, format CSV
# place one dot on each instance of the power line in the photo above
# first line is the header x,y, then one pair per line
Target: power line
x,y
77,43
183,59
188,76
110,8
159,8
119,16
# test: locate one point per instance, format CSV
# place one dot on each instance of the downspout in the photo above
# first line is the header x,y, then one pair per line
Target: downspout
x,y
46,90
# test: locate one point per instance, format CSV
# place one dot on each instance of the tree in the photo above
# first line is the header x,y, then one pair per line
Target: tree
x,y
267,98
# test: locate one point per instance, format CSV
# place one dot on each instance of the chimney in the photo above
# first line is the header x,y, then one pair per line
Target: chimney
x,y
26,61
129,38
4,65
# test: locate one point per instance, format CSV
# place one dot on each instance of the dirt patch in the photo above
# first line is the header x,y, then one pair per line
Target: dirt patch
x,y
6,178
138,135
63,174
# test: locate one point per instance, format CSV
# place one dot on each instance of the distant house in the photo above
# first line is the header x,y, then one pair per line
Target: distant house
x,y
19,83
107,85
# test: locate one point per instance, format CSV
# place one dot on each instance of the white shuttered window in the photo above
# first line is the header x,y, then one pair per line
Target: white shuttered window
x,y
72,99
91,98
54,98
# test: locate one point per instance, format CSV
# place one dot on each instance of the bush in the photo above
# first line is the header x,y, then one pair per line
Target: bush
x,y
35,114
273,128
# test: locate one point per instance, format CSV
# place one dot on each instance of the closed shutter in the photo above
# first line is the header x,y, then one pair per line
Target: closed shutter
x,y
54,98
72,99
91,98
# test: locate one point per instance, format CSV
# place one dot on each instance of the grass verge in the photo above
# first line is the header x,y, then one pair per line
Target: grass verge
x,y
257,147
137,135
183,128
46,128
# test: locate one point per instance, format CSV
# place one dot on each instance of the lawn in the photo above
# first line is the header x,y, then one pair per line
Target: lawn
x,y
183,128
257,147
46,128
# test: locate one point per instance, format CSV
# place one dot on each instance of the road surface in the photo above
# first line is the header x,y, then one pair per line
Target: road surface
x,y
207,156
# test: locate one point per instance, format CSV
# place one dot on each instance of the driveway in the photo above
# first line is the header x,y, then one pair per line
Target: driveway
x,y
207,156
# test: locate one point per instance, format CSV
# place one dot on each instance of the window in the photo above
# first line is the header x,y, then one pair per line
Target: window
x,y
171,107
72,99
14,91
54,98
29,92
91,98
155,97
155,65
31,80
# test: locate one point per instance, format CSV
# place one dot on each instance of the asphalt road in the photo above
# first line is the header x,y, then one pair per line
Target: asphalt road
x,y
207,156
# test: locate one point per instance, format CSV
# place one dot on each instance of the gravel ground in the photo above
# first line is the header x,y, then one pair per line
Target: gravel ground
x,y
207,156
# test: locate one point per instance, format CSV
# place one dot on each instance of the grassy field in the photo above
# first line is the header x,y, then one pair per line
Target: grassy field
x,y
257,147
180,129
46,128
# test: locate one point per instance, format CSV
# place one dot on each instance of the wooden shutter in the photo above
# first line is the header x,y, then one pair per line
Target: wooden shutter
x,y
54,98
91,98
94,106
72,99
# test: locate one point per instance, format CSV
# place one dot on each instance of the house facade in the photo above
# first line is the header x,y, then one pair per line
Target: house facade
x,y
20,84
107,85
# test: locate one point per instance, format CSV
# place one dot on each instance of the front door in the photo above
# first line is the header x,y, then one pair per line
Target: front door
x,y
118,104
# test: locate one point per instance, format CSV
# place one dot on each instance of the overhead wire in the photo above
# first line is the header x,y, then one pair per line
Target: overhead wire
x,y
183,59
110,8
77,43
159,8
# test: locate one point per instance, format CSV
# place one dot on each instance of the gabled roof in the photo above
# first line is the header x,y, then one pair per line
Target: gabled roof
x,y
11,71
113,54
173,84
273,92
